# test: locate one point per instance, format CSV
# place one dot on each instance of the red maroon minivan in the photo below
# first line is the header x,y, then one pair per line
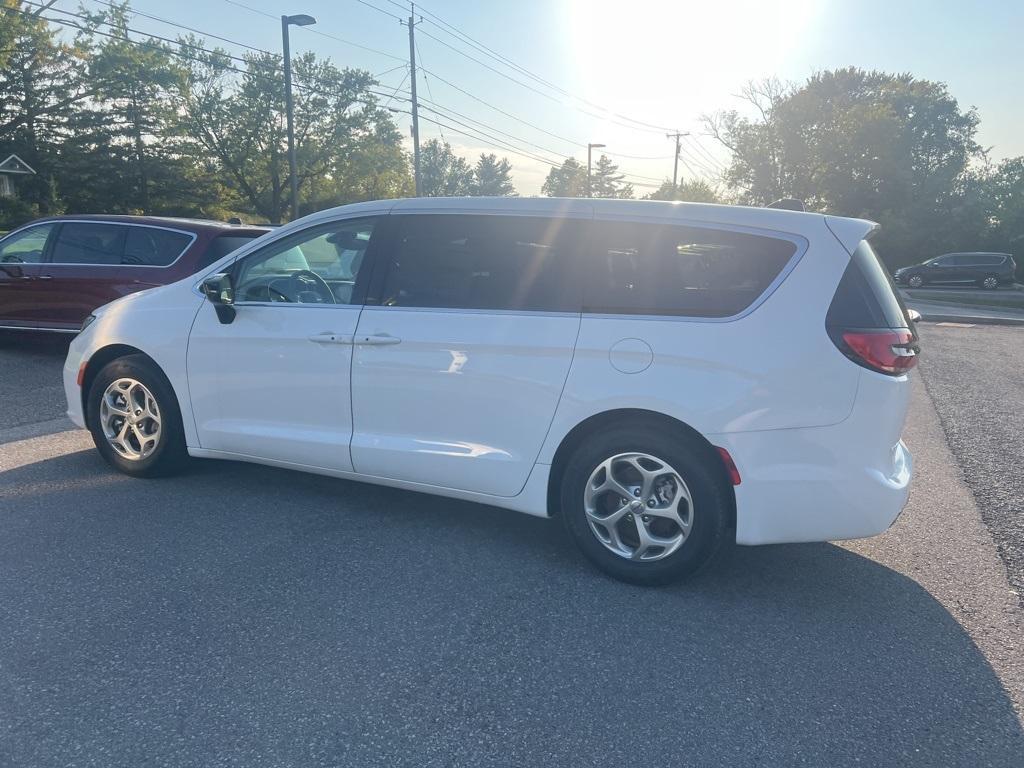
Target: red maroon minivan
x,y
55,271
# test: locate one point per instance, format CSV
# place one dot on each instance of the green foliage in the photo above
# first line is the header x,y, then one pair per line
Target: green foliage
x,y
568,180
695,191
870,144
442,172
139,126
493,177
606,181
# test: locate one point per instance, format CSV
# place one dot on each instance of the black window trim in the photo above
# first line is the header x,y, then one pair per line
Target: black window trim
x,y
799,241
193,236
362,278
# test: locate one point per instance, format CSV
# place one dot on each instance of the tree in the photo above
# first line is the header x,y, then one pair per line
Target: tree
x,y
135,83
42,83
1004,188
493,177
442,172
869,144
240,123
606,181
695,191
567,180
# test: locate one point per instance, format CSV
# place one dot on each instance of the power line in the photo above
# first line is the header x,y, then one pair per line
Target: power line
x,y
176,53
179,26
316,31
378,9
454,31
449,29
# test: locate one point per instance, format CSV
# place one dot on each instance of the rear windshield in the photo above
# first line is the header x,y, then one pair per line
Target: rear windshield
x,y
866,297
658,269
221,246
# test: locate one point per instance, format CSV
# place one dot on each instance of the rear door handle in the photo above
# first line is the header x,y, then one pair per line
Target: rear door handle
x,y
377,339
331,338
45,277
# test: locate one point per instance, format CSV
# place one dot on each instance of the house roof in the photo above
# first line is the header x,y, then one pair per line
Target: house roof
x,y
14,164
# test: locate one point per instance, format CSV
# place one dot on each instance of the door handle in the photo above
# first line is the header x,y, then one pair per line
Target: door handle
x,y
45,277
331,338
377,340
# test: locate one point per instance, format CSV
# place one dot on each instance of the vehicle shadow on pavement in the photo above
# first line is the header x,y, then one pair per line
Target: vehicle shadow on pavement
x,y
253,616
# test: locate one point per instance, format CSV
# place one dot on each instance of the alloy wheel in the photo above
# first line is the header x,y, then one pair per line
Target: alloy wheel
x,y
638,507
991,283
130,419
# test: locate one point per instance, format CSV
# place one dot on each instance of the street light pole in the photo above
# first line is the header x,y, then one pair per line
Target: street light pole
x,y
590,148
300,20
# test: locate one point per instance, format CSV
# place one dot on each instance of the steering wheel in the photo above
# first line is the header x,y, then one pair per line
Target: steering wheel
x,y
306,287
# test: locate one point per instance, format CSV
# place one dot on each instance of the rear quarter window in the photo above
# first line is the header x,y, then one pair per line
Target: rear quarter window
x,y
866,296
154,247
657,269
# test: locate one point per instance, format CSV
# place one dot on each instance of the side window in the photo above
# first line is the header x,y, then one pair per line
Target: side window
x,y
27,246
86,243
318,265
457,261
153,247
656,269
943,261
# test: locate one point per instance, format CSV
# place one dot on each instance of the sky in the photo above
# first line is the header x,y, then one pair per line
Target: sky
x,y
627,71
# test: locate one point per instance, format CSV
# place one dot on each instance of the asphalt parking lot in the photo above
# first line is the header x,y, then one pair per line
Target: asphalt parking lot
x,y
245,616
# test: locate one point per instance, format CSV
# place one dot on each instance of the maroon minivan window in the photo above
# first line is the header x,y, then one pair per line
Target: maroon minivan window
x,y
154,247
87,243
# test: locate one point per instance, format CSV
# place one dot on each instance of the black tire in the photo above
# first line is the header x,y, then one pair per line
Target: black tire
x,y
695,464
170,454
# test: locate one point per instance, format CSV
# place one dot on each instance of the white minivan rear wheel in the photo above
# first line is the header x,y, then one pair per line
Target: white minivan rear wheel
x,y
648,506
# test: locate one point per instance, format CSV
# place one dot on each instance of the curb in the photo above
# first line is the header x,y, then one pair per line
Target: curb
x,y
928,317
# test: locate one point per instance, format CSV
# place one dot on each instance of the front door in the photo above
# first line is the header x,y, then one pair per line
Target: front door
x,y
460,363
20,256
274,383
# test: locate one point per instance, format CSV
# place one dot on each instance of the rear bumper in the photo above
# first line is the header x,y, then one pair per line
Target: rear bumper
x,y
794,497
846,481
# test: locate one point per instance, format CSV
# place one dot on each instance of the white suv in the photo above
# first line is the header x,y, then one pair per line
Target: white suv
x,y
660,376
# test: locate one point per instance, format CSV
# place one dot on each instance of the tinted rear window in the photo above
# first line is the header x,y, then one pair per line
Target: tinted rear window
x,y
482,262
655,269
221,246
866,296
153,247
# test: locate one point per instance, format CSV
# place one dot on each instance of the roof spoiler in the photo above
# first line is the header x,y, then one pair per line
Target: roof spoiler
x,y
788,204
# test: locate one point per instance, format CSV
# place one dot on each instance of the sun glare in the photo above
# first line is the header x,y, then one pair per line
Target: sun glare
x,y
649,56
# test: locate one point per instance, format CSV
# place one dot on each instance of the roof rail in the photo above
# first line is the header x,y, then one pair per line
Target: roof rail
x,y
788,204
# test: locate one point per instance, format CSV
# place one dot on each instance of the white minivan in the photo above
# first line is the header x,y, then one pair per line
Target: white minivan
x,y
661,376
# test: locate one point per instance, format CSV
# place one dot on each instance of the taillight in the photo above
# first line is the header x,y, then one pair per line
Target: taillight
x,y
888,351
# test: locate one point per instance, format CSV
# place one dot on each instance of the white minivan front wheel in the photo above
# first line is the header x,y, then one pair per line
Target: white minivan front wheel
x,y
647,506
133,415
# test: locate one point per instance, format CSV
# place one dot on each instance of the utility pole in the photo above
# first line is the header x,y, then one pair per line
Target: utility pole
x,y
415,104
675,167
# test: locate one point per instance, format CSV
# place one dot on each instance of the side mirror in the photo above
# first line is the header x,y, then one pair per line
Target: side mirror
x,y
913,316
221,293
